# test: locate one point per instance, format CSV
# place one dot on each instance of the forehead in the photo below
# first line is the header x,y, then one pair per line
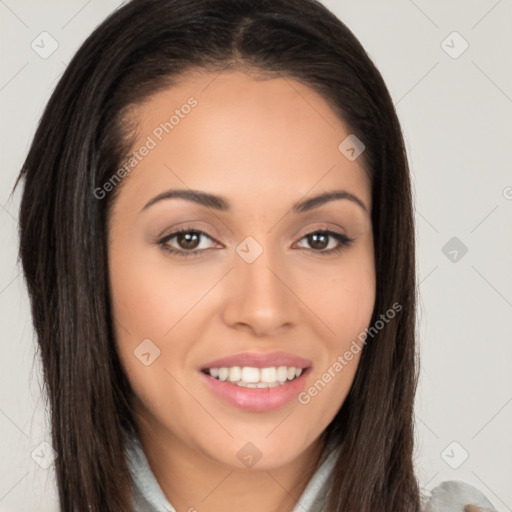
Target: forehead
x,y
233,133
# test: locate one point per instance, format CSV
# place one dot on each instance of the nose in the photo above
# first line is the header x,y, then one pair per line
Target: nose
x,y
260,297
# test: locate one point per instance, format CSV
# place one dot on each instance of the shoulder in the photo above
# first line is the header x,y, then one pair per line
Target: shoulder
x,y
454,496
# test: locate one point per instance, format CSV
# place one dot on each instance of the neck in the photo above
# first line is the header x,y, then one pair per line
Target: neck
x,y
193,481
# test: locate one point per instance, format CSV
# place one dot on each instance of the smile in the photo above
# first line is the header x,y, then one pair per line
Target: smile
x,y
251,377
249,390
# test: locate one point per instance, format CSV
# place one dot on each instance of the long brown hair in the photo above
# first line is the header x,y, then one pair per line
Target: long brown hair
x,y
81,140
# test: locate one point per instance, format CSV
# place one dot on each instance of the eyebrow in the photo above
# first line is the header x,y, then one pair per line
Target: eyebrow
x,y
221,204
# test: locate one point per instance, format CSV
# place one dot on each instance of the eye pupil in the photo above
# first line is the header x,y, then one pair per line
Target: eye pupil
x,y
314,240
191,240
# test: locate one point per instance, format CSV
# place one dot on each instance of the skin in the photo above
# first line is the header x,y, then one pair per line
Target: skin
x,y
263,145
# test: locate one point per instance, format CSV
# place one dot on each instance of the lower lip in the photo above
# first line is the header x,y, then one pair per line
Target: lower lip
x,y
257,399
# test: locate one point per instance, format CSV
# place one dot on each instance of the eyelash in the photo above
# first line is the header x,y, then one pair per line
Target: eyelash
x,y
344,241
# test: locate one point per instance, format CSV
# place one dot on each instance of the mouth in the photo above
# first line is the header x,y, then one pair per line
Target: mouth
x,y
253,389
252,377
256,381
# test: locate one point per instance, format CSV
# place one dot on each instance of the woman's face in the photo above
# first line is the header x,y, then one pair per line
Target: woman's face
x,y
263,279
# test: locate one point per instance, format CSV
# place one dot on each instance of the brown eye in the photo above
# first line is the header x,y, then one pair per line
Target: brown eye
x,y
185,242
188,240
319,241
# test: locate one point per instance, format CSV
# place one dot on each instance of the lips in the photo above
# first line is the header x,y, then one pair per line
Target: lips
x,y
259,360
256,399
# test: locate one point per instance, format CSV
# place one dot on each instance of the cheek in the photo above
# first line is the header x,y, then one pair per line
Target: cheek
x,y
149,296
356,290
353,305
155,311
148,306
343,296
348,303
346,307
348,315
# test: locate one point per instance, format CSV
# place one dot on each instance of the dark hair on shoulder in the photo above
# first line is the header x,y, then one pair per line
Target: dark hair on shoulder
x,y
82,138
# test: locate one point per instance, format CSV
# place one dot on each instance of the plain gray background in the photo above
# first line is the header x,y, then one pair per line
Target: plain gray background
x,y
455,107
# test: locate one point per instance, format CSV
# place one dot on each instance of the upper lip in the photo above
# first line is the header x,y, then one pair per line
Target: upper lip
x,y
259,360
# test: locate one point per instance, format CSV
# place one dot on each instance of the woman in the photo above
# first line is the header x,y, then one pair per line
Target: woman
x,y
218,241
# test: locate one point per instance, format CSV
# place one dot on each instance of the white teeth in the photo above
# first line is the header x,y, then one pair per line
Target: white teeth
x,y
250,374
223,373
268,375
261,385
235,374
251,377
282,373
